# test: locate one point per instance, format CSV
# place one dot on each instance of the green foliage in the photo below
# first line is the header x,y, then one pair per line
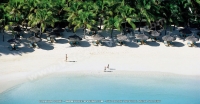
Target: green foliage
x,y
112,13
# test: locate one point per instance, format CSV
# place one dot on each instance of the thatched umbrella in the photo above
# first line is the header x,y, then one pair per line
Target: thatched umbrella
x,y
185,31
74,38
141,37
34,39
35,30
121,37
192,38
155,33
98,37
168,38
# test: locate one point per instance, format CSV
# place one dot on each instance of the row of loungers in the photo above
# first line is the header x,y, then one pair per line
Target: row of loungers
x,y
74,43
52,40
12,47
33,45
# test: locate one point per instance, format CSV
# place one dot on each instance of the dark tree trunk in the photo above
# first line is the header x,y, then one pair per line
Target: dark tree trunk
x,y
112,31
100,23
3,37
174,26
84,32
140,24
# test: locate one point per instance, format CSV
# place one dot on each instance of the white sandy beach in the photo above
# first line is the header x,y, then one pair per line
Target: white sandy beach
x,y
30,64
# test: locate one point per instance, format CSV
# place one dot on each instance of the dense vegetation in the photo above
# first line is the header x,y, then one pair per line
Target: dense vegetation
x,y
89,13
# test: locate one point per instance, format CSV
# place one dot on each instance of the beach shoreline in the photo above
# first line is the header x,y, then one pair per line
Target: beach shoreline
x,y
27,64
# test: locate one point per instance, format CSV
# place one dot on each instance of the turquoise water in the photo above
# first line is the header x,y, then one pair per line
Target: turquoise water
x,y
111,89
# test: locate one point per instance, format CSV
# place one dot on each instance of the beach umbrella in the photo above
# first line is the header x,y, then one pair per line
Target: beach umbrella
x,y
58,30
13,41
155,33
185,31
168,38
98,37
35,30
34,39
17,28
121,37
74,38
141,36
192,38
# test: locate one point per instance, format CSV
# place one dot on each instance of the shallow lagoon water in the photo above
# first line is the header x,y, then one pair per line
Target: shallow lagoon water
x,y
111,89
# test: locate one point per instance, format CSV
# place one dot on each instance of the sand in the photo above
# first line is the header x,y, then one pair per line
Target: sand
x,y
28,64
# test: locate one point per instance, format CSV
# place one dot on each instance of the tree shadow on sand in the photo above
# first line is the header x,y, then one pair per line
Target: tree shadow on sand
x,y
131,44
153,44
178,44
85,44
23,48
197,45
62,41
45,46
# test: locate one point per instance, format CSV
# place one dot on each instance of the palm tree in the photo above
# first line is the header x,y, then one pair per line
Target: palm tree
x,y
58,9
113,20
44,17
102,10
84,19
143,10
169,11
72,11
111,23
2,18
126,13
14,8
184,11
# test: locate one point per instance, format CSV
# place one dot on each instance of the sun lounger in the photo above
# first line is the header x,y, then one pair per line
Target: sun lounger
x,y
144,42
95,43
30,45
52,40
120,43
71,43
189,44
101,43
35,45
166,43
139,42
76,43
153,39
171,44
16,48
48,39
11,47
